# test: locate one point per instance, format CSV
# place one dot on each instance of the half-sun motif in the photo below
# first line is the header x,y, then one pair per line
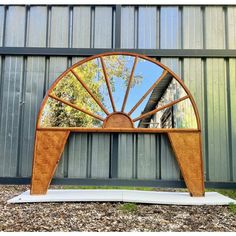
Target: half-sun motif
x,y
118,92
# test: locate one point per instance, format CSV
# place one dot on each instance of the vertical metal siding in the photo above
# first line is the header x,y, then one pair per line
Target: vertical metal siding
x,y
81,27
170,31
215,28
2,15
59,30
15,32
126,156
169,167
232,108
103,27
231,18
212,82
147,27
217,112
128,30
37,27
147,156
10,115
192,27
12,91
100,155
231,39
216,86
78,155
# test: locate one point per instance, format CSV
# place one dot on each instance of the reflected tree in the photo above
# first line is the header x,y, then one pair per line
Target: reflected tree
x,y
57,114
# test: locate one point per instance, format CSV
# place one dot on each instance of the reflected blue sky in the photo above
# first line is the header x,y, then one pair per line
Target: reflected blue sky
x,y
150,72
119,69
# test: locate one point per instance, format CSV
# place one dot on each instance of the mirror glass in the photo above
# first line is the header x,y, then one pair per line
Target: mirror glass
x,y
58,114
91,73
81,98
180,115
147,73
118,69
70,90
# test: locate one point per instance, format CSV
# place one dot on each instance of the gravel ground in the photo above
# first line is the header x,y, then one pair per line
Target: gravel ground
x,y
109,216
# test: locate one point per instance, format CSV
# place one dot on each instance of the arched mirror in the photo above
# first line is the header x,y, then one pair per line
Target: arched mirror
x,y
120,92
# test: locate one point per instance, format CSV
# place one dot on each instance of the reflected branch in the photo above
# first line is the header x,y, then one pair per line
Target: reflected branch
x,y
160,108
129,83
76,107
165,72
108,84
88,90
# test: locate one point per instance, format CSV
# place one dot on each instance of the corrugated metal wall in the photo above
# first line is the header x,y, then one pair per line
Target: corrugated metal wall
x,y
24,81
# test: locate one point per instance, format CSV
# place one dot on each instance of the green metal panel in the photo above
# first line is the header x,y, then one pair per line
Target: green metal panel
x,y
128,30
231,32
103,27
169,166
147,27
81,27
217,118
192,28
10,116
59,27
100,155
232,107
78,155
147,156
37,27
126,156
214,27
2,15
15,26
170,27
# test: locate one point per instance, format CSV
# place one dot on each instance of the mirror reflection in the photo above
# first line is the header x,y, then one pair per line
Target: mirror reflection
x,y
137,90
69,89
92,75
118,69
180,115
149,73
58,114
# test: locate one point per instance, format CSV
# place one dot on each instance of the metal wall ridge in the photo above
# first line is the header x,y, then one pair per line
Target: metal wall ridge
x,y
82,52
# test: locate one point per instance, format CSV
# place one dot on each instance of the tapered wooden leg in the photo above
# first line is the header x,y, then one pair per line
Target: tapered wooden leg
x,y
187,149
48,148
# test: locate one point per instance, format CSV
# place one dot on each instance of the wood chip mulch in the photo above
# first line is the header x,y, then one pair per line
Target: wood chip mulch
x,y
109,216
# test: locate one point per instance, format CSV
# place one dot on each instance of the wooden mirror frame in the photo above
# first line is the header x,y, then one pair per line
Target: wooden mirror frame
x,y
186,143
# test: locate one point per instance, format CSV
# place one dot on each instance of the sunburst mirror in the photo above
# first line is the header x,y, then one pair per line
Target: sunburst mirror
x,y
118,92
